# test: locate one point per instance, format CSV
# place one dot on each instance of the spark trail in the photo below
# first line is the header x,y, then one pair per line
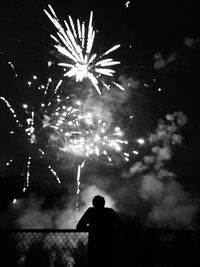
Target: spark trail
x,y
80,166
30,134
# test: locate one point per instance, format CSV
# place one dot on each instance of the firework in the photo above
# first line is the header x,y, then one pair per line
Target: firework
x,y
30,134
75,43
80,166
79,132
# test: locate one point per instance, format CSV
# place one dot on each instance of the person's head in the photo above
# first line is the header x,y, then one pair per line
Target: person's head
x,y
98,202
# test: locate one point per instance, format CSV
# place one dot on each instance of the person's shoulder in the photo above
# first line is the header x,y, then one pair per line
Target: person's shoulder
x,y
110,210
88,213
89,210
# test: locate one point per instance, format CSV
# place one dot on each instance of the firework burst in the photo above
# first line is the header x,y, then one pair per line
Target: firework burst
x,y
30,135
79,132
75,43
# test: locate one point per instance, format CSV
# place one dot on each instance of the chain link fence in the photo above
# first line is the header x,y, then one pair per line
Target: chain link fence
x,y
69,248
46,248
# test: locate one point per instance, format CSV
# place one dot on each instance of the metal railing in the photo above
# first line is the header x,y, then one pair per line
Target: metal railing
x,y
69,248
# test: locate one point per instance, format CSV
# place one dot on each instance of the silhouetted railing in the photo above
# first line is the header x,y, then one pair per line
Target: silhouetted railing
x,y
59,248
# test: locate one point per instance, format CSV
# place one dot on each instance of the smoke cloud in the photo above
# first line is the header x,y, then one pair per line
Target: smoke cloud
x,y
34,216
170,205
161,63
191,42
69,217
180,58
105,106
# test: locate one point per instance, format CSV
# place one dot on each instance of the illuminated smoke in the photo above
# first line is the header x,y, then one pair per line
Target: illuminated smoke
x,y
34,216
161,62
129,82
69,217
171,205
191,42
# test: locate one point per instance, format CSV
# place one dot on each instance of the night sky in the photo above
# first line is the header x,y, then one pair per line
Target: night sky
x,y
160,51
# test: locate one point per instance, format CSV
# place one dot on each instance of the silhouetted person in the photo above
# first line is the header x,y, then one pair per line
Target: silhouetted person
x,y
102,223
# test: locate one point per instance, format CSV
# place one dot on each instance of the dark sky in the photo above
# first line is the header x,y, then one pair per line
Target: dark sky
x,y
168,29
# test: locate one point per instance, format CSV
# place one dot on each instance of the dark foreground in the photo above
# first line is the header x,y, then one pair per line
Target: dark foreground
x,y
59,248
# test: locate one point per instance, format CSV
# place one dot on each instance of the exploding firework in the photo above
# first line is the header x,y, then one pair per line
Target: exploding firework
x,y
75,43
30,135
79,132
